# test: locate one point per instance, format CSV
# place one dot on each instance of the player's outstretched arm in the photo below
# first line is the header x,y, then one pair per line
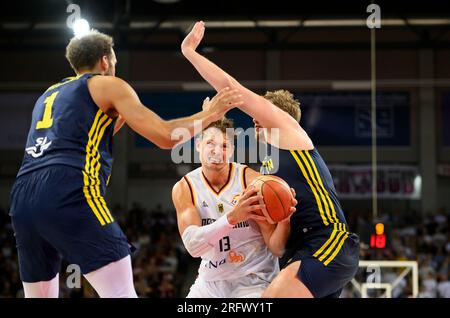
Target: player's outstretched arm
x,y
261,109
114,93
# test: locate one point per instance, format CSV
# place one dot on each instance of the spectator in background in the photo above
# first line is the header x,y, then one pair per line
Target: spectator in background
x,y
161,262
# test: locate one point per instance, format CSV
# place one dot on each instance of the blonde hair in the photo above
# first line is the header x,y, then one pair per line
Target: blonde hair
x,y
285,100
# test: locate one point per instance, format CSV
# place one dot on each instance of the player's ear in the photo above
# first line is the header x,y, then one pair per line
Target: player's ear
x,y
104,62
198,141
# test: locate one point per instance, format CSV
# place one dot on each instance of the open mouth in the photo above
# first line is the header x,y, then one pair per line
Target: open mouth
x,y
214,160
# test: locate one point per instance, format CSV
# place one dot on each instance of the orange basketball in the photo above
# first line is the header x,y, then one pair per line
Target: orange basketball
x,y
276,195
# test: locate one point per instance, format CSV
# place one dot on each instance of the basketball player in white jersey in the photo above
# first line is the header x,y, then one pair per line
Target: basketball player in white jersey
x,y
217,222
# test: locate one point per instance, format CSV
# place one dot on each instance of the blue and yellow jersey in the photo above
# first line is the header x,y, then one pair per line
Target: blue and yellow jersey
x,y
68,128
318,204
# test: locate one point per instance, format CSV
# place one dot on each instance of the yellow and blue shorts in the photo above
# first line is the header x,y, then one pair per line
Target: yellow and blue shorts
x,y
329,259
57,215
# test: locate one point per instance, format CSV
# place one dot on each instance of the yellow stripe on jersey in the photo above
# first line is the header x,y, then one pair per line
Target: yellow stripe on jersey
x,y
336,251
330,248
94,185
98,166
313,189
87,177
69,79
92,142
89,200
333,234
337,237
91,171
327,195
316,185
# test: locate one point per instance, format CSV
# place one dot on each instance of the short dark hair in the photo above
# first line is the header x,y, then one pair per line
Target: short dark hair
x,y
222,124
85,51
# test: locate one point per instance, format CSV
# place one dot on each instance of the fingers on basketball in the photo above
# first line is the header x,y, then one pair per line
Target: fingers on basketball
x,y
277,198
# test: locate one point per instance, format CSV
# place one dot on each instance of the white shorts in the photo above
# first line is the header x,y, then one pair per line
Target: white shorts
x,y
250,286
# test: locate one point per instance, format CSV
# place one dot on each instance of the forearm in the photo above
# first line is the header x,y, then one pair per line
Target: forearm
x,y
212,73
254,105
198,240
278,238
182,129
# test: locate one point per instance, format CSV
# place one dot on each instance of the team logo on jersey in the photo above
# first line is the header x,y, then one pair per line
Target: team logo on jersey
x,y
235,257
235,199
38,149
267,165
220,207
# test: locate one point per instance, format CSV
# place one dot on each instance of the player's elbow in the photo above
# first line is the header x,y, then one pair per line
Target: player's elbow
x,y
161,141
193,250
230,82
225,81
165,144
194,253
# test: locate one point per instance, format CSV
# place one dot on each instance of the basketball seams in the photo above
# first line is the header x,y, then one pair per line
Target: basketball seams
x,y
263,180
276,194
261,202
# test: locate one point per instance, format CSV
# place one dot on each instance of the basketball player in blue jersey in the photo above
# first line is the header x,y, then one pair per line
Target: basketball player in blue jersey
x,y
321,254
58,208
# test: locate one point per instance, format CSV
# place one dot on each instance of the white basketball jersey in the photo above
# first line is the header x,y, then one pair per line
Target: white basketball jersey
x,y
243,250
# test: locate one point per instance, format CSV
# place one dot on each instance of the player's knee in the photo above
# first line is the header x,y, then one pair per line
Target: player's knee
x,y
292,269
283,279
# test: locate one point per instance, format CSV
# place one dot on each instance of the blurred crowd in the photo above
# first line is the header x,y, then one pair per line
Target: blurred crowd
x,y
160,261
410,237
162,267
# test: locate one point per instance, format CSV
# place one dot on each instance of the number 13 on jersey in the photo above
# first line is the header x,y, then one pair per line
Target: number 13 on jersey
x,y
47,119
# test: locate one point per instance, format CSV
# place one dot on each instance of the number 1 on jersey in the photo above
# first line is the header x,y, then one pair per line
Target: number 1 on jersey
x,y
47,120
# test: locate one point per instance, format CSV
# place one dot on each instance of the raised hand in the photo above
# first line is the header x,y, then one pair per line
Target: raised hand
x,y
222,102
193,39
